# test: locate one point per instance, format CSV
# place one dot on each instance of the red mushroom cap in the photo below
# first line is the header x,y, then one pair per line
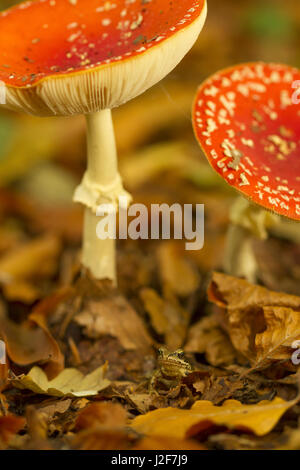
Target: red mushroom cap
x,y
248,126
49,39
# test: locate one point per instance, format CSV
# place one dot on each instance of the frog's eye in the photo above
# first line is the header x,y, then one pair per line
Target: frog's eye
x,y
180,354
160,353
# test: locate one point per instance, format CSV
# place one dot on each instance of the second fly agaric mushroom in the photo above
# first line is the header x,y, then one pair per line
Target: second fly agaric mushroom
x,y
68,57
248,126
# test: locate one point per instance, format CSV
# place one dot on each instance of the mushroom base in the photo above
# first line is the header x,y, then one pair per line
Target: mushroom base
x,y
99,256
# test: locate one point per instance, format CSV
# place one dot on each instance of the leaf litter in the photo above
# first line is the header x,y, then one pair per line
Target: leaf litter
x,y
83,368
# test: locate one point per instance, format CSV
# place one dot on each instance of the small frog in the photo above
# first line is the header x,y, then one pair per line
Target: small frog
x,y
172,367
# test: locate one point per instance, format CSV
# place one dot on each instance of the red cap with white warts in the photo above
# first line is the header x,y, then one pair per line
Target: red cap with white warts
x,y
248,126
80,56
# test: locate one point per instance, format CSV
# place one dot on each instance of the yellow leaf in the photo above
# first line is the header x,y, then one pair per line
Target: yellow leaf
x,y
70,382
35,258
259,418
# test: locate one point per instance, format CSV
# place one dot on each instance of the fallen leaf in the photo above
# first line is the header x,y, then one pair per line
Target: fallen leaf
x,y
206,337
167,316
10,425
259,419
176,270
34,258
101,426
104,413
105,312
49,410
262,324
69,383
102,438
31,342
142,402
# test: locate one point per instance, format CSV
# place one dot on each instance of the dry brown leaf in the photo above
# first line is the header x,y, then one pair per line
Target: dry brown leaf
x,y
104,414
102,438
262,324
260,418
101,426
206,337
10,425
176,270
31,342
167,317
282,329
112,315
69,383
29,345
142,402
136,396
49,410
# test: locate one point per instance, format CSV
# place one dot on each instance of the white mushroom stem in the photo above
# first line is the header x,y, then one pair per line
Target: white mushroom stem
x,y
101,184
102,165
239,259
249,221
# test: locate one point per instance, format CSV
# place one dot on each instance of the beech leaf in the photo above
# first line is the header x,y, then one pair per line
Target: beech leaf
x,y
69,383
259,418
262,324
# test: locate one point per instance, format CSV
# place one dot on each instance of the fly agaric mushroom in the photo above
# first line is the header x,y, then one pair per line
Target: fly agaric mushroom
x,y
87,57
248,126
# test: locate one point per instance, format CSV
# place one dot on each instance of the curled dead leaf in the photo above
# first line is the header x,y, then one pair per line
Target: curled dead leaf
x,y
31,341
262,324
